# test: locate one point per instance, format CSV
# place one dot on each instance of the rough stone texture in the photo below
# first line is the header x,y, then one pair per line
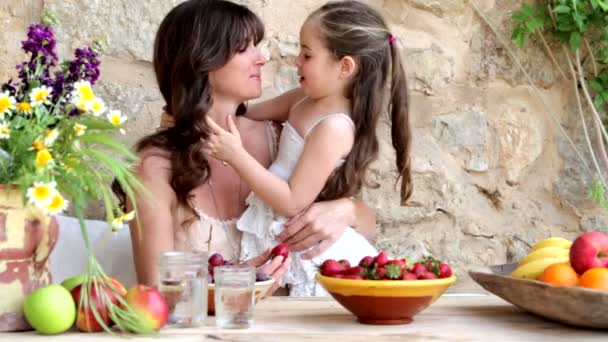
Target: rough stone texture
x,y
492,172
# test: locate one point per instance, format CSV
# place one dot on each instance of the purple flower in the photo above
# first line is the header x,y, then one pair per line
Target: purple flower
x,y
85,67
40,43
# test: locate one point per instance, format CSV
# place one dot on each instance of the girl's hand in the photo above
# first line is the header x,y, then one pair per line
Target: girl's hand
x,y
223,145
276,268
318,226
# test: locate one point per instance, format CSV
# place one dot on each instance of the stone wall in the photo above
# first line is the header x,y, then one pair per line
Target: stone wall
x,y
492,172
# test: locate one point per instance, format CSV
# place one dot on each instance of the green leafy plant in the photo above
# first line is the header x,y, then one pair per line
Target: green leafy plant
x,y
57,145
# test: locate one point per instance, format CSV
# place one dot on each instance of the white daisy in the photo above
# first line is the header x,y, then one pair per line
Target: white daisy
x,y
41,194
116,118
119,222
57,205
50,137
79,129
82,105
43,157
5,131
98,107
7,103
40,95
83,91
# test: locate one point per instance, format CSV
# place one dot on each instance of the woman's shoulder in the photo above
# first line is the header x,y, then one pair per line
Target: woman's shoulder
x,y
153,161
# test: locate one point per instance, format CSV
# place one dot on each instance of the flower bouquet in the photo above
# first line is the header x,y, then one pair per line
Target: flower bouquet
x,y
57,149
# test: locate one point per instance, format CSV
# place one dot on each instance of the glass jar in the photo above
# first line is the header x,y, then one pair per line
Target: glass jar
x,y
183,282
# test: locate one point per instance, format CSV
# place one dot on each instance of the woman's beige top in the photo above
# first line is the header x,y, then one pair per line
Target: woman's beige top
x,y
210,234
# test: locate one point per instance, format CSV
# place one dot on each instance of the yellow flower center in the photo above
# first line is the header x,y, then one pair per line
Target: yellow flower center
x,y
115,120
38,145
43,157
42,192
4,130
24,107
4,104
56,203
96,106
41,95
86,93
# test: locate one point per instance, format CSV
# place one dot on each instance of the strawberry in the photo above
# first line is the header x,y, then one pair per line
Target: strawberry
x,y
409,276
381,259
445,271
432,264
281,249
393,271
344,263
428,275
331,267
216,260
379,273
418,269
366,262
355,270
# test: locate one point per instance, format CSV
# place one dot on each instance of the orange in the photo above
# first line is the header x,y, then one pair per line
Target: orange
x,y
595,278
560,274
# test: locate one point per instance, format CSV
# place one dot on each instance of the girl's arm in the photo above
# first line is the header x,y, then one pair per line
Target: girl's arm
x,y
152,230
325,146
275,109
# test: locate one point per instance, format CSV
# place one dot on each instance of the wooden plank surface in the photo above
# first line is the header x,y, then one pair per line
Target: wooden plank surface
x,y
451,318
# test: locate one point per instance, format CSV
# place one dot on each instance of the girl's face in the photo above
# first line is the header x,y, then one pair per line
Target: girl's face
x,y
241,78
319,70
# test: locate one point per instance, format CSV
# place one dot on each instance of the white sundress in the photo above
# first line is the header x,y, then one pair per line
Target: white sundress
x,y
260,225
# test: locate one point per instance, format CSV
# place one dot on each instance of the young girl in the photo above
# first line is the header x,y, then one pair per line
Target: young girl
x,y
329,138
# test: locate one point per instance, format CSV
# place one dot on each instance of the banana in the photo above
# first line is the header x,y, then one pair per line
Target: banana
x,y
545,252
552,242
533,269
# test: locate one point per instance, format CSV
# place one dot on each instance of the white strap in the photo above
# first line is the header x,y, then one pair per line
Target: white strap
x,y
325,117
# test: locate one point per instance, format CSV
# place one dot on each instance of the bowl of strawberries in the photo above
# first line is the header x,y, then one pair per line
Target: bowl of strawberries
x,y
381,290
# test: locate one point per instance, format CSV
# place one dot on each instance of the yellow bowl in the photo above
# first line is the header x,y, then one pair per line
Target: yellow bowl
x,y
259,290
385,301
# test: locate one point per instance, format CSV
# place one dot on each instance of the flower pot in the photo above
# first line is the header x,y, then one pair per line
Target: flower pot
x,y
27,238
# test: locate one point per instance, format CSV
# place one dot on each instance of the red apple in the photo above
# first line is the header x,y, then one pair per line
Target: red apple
x,y
589,250
85,320
150,306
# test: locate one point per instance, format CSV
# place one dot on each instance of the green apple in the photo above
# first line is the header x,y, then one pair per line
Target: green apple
x,y
50,309
72,282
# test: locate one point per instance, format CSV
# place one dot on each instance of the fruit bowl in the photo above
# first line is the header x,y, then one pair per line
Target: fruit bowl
x,y
259,290
571,305
385,301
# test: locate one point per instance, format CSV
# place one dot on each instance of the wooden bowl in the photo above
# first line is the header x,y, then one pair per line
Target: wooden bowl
x,y
260,289
571,305
385,301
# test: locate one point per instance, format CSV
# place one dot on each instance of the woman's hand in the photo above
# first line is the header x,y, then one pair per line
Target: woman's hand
x,y
275,268
224,145
318,226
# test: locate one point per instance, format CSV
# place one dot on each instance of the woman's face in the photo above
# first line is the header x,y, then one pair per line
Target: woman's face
x,y
241,78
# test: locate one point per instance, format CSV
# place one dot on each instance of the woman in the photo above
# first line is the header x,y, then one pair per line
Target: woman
x,y
207,64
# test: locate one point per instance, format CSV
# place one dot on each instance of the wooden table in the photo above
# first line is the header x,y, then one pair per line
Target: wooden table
x,y
451,318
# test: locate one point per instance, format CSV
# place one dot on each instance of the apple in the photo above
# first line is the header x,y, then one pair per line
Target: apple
x,y
150,305
589,250
50,309
85,320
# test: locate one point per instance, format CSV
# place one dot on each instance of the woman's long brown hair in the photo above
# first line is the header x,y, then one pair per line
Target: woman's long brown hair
x,y
195,38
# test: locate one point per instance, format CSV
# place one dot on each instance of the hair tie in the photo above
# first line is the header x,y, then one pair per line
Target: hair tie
x,y
392,40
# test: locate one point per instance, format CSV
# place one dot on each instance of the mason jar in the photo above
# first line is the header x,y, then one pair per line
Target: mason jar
x,y
183,282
